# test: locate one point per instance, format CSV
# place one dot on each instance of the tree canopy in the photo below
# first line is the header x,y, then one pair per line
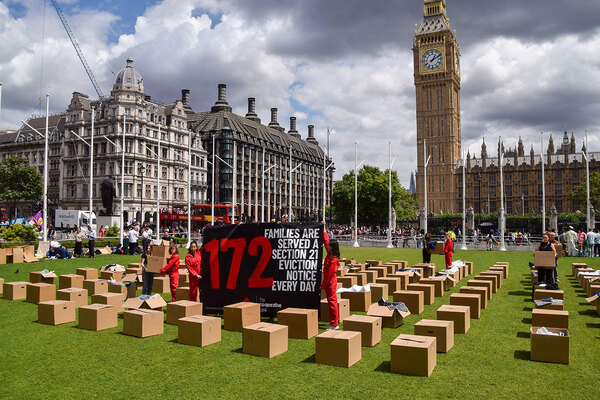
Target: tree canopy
x,y
578,195
19,182
372,197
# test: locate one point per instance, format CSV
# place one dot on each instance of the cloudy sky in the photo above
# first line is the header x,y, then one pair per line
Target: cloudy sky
x,y
527,66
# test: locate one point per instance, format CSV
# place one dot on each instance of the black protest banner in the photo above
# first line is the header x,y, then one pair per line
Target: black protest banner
x,y
276,265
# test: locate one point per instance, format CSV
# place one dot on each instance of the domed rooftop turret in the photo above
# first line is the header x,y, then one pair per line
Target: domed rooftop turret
x,y
129,78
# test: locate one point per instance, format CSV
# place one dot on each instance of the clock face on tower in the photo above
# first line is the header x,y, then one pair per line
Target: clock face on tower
x,y
432,59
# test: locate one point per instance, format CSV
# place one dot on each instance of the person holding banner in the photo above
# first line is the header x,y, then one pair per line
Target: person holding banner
x,y
172,268
332,262
193,260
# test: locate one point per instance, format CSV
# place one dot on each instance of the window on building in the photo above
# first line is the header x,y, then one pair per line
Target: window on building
x,y
148,188
525,190
558,189
163,192
139,190
164,172
71,190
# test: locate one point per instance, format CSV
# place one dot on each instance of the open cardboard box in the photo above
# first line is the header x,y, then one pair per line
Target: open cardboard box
x,y
389,318
154,303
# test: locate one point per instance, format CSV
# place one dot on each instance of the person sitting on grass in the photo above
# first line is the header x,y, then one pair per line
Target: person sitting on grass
x,y
332,262
57,250
172,268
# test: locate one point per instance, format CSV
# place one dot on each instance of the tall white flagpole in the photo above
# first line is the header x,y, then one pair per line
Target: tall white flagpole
x,y
587,181
355,198
45,199
463,246
542,160
122,219
500,161
390,245
158,188
91,186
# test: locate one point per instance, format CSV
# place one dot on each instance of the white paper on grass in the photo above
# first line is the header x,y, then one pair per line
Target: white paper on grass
x,y
355,289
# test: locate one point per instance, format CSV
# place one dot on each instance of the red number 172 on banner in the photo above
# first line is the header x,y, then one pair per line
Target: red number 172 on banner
x,y
238,245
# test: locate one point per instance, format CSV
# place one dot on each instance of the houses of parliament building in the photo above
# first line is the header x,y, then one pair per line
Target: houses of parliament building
x,y
437,67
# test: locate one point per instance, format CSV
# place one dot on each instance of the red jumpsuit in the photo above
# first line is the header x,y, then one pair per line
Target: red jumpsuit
x,y
448,249
172,268
193,263
330,283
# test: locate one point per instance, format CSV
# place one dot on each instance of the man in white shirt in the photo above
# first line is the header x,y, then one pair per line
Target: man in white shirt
x,y
92,240
133,239
591,239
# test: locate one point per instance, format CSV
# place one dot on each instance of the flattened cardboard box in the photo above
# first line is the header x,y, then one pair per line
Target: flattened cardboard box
x,y
97,317
302,323
413,355
56,312
264,339
550,348
199,330
143,323
338,348
389,318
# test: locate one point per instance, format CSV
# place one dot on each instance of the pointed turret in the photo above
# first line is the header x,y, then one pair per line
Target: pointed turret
x,y
521,148
573,146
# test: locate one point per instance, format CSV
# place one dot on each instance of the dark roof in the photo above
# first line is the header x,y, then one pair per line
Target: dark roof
x,y
9,137
273,138
56,122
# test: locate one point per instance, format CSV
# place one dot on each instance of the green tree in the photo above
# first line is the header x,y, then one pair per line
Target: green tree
x,y
579,194
19,182
372,197
19,233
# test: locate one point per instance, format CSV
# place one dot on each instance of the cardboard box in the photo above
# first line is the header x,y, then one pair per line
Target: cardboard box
x,y
371,276
369,328
338,348
143,323
438,249
183,292
154,303
117,276
550,318
136,271
389,318
95,286
87,273
550,348
265,340
504,266
2,256
373,263
184,279
574,266
155,264
465,299
70,281
15,255
469,265
341,272
460,315
540,294
379,291
479,290
37,277
414,299
499,274
359,301
552,306
160,251
559,250
427,289
40,292
438,285
394,282
401,264
544,259
343,309
302,323
161,285
413,355
428,269
347,281
56,312
14,290
77,296
406,277
240,315
442,330
501,269
97,317
381,271
119,289
1,285
181,309
199,330
493,279
135,265
390,268
481,283
111,299
361,279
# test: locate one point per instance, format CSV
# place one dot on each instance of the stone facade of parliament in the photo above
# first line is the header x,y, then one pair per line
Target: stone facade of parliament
x,y
436,57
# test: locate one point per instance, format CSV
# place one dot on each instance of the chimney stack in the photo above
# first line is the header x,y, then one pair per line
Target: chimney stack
x,y
251,115
293,131
274,124
185,99
311,135
221,104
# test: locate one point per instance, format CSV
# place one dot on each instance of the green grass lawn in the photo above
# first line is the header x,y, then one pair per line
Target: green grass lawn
x,y
489,361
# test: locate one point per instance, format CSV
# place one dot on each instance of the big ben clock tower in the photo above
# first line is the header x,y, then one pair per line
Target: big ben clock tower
x,y
437,81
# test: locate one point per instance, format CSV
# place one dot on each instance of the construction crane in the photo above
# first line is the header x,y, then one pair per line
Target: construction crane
x,y
88,70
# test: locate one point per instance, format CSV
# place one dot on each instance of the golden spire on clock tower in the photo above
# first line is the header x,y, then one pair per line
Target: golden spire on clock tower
x,y
436,56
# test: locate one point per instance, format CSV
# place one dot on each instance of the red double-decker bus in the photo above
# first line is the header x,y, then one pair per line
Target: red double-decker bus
x,y
201,216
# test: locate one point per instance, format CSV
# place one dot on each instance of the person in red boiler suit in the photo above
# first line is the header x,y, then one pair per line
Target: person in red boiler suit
x,y
172,268
332,262
448,250
193,261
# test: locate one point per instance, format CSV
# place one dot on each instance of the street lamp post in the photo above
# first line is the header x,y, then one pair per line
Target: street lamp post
x,y
590,224
478,180
426,163
390,222
356,167
543,183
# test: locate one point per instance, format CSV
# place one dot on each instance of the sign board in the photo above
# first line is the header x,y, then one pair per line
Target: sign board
x,y
275,265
